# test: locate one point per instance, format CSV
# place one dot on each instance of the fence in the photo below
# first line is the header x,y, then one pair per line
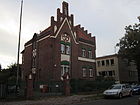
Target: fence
x,y
3,90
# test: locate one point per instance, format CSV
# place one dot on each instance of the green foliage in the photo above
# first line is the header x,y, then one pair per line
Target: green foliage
x,y
3,77
90,85
130,45
9,74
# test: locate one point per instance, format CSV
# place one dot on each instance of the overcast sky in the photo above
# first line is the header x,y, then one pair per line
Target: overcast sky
x,y
105,19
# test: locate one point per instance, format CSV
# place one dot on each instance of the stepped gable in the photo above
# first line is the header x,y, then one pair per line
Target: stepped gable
x,y
83,34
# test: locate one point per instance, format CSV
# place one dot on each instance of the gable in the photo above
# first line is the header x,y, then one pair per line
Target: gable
x,y
61,28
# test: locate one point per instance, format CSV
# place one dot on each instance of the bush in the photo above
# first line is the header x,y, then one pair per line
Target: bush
x,y
79,85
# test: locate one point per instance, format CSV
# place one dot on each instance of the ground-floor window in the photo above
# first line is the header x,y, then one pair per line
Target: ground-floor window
x,y
84,72
64,69
90,72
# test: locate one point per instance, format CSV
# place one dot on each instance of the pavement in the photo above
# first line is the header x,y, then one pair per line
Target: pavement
x,y
62,100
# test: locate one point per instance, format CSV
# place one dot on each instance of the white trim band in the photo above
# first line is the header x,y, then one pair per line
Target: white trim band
x,y
86,59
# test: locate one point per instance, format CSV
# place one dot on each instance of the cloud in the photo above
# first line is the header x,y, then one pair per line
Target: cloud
x,y
8,44
105,19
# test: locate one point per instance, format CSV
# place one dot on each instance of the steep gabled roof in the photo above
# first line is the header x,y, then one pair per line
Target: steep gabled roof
x,y
41,35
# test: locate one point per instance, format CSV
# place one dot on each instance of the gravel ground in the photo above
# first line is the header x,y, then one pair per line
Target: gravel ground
x,y
51,101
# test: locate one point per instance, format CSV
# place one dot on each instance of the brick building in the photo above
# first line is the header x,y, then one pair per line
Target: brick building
x,y
59,49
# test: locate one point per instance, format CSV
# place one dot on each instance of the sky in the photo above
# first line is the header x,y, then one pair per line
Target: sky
x,y
105,19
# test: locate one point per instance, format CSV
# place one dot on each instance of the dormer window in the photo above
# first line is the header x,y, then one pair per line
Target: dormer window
x,y
55,28
61,19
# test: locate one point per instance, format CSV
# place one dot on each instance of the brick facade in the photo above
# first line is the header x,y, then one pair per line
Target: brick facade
x,y
60,48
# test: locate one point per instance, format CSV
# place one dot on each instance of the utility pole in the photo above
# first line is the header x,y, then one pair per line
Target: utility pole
x,y
18,66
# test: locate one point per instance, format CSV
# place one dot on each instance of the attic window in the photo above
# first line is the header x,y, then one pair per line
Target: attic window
x,y
55,28
70,22
61,19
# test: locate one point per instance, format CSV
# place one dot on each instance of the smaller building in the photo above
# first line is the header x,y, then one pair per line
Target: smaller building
x,y
116,67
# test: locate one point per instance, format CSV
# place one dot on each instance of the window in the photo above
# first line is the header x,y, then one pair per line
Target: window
x,y
64,69
107,62
100,73
112,61
103,73
67,49
83,52
110,73
98,63
34,53
84,72
90,54
62,48
103,62
90,72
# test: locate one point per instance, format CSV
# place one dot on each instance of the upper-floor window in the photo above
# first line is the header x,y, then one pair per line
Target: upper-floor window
x,y
103,62
107,62
112,61
98,63
84,72
62,48
90,54
34,53
83,53
67,49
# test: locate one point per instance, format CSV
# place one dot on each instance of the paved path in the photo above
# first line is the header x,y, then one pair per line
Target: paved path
x,y
76,100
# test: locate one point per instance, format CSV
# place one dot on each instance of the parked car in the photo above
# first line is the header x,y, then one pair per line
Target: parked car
x,y
118,90
136,89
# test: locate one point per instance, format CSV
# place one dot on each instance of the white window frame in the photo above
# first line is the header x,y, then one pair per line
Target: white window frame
x,y
90,72
67,49
90,54
34,53
83,53
64,69
62,48
84,70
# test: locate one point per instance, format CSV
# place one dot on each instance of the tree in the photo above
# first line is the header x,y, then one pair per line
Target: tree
x,y
129,45
0,67
9,74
